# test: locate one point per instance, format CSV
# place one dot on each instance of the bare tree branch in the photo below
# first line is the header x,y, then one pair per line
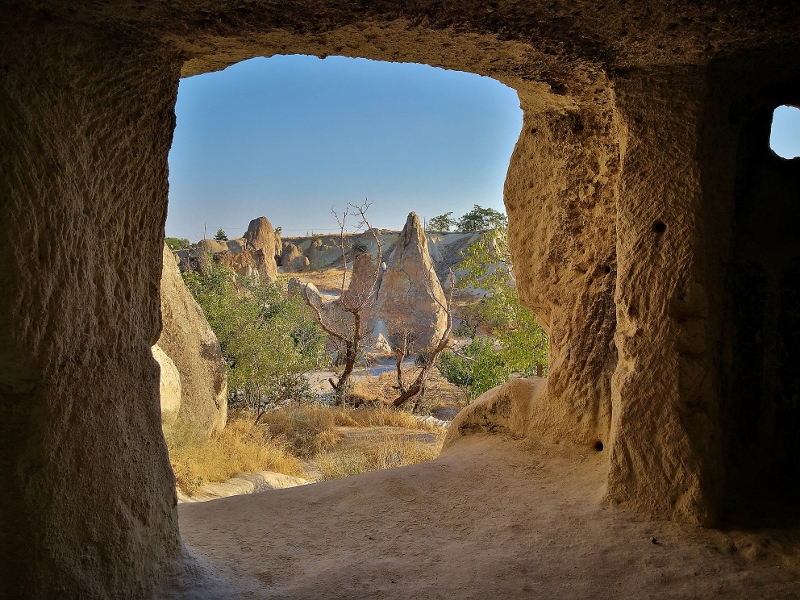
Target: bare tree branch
x,y
418,387
352,301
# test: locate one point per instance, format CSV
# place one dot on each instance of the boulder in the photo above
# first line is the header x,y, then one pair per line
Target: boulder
x,y
169,386
322,256
410,297
206,246
187,339
292,259
248,263
261,236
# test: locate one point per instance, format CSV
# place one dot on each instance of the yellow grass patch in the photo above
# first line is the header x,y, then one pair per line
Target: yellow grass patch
x,y
439,391
241,447
371,454
306,430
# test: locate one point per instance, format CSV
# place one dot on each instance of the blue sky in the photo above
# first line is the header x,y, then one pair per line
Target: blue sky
x,y
292,136
289,137
785,137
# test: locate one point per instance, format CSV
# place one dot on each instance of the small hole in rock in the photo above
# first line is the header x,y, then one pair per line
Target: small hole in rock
x,y
598,445
659,227
606,269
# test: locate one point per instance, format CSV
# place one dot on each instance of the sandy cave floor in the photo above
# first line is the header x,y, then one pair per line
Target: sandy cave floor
x,y
491,518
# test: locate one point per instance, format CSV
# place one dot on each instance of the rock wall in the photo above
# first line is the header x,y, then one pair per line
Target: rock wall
x,y
651,229
88,503
409,298
169,388
187,339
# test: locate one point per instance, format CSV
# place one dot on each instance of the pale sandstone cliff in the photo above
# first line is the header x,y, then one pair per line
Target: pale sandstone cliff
x,y
188,340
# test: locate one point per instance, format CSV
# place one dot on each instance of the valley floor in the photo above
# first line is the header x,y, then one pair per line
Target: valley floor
x,y
490,518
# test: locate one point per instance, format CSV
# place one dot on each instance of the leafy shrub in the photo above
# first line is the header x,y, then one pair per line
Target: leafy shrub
x,y
267,341
174,243
442,222
480,218
480,368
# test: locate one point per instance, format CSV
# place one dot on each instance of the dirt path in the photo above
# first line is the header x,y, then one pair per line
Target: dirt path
x,y
488,519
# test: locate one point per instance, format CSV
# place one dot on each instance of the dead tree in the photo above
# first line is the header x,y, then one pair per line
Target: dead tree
x,y
417,387
353,301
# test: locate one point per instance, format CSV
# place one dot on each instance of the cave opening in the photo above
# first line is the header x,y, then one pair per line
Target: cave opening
x,y
784,139
291,136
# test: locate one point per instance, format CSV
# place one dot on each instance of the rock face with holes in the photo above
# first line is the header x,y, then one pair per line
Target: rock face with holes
x,y
652,231
409,298
187,339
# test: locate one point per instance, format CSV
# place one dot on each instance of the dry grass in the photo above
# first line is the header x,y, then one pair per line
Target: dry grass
x,y
286,437
241,447
306,430
311,430
372,454
379,416
439,392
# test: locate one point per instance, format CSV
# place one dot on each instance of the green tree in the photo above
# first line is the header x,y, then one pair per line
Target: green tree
x,y
520,345
268,341
477,368
480,218
221,235
174,243
442,222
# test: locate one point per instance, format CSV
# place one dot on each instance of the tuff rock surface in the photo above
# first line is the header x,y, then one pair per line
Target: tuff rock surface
x,y
409,296
169,387
187,339
293,260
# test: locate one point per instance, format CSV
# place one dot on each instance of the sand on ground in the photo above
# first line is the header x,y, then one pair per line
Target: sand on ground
x,y
491,518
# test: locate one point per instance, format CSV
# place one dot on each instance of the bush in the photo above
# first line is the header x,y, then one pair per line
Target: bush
x,y
176,243
479,369
267,341
523,343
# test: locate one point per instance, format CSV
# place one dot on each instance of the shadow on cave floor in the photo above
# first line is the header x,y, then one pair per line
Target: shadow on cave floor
x,y
490,517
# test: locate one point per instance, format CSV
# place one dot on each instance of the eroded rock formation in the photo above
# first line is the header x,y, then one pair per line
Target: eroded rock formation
x,y
651,227
292,259
189,342
253,255
409,299
169,387
261,236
